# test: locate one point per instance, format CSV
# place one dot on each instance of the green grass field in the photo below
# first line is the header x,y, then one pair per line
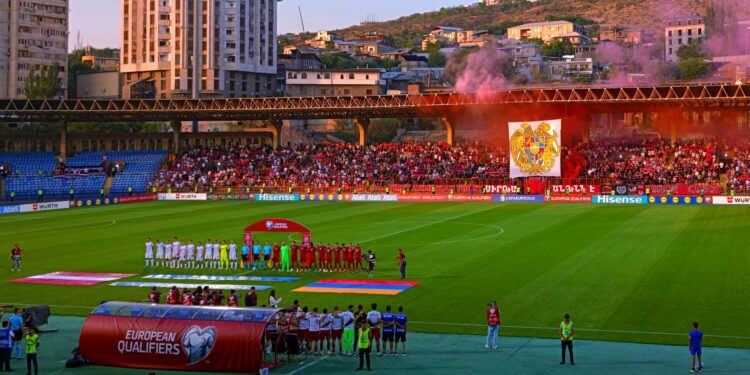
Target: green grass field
x,y
625,273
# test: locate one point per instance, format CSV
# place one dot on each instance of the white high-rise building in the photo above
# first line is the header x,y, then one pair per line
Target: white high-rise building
x,y
33,35
234,40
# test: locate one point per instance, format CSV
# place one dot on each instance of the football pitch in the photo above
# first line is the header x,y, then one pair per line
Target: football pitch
x,y
624,273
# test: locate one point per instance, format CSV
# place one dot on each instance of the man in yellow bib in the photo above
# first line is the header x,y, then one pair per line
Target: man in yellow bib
x,y
32,345
363,344
567,330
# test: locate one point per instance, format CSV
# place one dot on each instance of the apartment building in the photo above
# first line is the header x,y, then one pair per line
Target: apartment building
x,y
548,31
680,32
333,82
208,48
34,37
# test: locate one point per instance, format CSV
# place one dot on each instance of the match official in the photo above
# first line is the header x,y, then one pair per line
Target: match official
x,y
567,330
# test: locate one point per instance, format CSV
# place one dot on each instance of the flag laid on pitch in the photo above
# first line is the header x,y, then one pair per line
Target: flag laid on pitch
x,y
358,287
535,148
72,278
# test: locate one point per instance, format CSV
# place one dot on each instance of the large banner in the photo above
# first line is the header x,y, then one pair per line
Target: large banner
x,y
535,148
46,206
172,344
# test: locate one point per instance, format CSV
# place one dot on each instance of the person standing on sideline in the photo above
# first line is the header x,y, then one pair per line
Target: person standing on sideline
x,y
695,344
493,325
32,345
15,257
245,257
149,254
6,345
567,330
401,259
272,301
251,299
401,321
371,264
16,325
363,344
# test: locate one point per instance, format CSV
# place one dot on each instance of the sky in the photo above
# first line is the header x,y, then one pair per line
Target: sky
x,y
98,21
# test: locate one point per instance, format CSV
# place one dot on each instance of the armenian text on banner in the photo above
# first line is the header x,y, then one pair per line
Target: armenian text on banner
x,y
535,148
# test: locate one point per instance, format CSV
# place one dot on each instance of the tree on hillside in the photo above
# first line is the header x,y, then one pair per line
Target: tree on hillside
x,y
436,59
692,68
691,61
558,48
43,83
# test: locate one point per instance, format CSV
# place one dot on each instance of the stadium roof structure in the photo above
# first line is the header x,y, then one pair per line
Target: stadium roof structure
x,y
708,96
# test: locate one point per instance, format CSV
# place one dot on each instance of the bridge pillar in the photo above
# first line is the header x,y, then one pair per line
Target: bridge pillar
x,y
63,126
362,124
176,130
275,127
449,129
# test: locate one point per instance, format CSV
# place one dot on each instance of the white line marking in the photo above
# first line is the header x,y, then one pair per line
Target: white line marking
x,y
580,329
427,225
297,371
500,231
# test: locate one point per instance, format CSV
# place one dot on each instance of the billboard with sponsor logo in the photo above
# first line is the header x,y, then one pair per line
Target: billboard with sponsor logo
x,y
277,225
324,197
620,199
183,197
277,197
374,198
175,337
423,198
518,198
677,200
46,206
5,210
137,198
727,200
567,199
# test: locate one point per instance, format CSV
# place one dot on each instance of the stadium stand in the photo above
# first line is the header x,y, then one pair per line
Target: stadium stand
x,y
32,172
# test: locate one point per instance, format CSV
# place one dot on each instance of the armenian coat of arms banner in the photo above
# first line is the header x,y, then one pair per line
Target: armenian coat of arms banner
x,y
535,148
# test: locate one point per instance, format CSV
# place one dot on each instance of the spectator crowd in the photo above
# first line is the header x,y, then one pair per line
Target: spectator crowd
x,y
332,166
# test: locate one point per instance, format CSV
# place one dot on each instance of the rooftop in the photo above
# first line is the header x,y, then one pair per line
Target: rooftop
x,y
540,24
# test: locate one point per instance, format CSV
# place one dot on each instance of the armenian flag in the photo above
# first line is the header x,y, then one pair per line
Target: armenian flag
x,y
383,287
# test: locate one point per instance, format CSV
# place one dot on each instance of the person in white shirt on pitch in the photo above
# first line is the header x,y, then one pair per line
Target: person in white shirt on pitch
x,y
159,253
209,256
149,253
199,255
190,255
232,254
314,336
168,255
217,253
325,332
183,256
175,252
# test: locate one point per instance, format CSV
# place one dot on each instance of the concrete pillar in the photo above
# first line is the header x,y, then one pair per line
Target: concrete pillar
x,y
275,127
362,124
176,129
449,129
63,126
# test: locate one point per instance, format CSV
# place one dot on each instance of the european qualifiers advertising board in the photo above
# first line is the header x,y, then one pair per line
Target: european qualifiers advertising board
x,y
182,338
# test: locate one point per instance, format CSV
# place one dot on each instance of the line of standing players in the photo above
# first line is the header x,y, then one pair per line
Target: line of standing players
x,y
306,257
321,332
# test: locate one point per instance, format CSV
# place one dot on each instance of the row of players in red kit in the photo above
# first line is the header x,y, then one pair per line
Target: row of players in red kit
x,y
320,258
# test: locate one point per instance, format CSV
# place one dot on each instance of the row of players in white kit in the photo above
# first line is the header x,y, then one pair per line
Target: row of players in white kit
x,y
188,255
